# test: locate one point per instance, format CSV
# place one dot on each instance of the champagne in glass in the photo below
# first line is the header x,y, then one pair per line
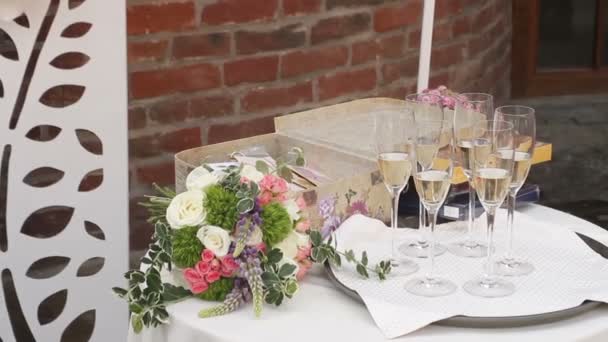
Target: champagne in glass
x,y
393,147
432,182
425,107
492,179
524,135
470,108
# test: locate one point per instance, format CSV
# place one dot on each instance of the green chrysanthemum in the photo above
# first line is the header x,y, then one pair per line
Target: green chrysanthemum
x,y
218,291
276,224
221,207
187,248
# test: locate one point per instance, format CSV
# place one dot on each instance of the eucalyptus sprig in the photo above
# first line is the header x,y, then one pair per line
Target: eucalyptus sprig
x,y
146,295
327,251
279,280
245,192
157,205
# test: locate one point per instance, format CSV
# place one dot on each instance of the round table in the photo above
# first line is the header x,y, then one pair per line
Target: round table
x,y
319,312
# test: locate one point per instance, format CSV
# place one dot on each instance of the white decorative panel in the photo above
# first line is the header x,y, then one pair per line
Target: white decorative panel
x,y
63,175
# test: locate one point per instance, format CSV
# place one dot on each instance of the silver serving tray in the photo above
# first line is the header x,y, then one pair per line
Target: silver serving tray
x,y
500,322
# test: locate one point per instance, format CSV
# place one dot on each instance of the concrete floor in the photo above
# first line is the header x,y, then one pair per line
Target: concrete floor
x,y
576,180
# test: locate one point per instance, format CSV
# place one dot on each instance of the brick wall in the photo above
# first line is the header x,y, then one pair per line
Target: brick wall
x,y
206,71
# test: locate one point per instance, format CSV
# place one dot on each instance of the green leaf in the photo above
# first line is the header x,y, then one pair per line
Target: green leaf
x,y
291,287
135,308
364,258
245,205
146,261
300,161
174,293
362,271
285,173
287,270
337,260
262,166
137,277
270,279
316,238
137,323
272,296
274,256
350,255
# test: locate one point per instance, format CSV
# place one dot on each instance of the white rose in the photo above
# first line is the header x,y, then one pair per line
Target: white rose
x,y
256,237
186,209
252,173
215,238
200,179
292,209
289,246
290,262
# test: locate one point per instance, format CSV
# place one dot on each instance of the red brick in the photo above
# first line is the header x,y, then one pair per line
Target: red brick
x,y
238,11
137,118
175,16
161,174
346,82
243,129
286,37
461,26
390,18
169,111
390,47
268,98
447,55
292,7
158,144
302,62
439,78
255,69
413,40
399,92
483,19
447,8
211,106
201,45
147,51
398,70
331,4
339,27
442,33
189,78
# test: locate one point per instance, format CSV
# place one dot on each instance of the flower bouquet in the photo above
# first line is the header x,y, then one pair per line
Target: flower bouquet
x,y
237,235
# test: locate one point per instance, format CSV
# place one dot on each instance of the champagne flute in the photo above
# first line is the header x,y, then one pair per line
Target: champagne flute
x,y
470,108
493,149
432,182
426,107
393,148
524,136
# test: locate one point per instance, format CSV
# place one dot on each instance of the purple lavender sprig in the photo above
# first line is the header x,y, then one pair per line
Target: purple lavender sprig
x,y
244,228
251,269
232,302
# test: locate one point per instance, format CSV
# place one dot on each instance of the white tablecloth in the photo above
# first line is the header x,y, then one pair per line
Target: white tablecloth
x,y
319,312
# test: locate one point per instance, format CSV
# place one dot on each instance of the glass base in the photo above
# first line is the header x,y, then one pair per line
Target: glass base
x,y
468,249
415,249
430,287
403,267
489,288
513,267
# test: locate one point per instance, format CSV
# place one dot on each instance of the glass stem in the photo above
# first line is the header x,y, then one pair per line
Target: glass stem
x,y
422,226
489,265
433,219
510,212
471,212
394,220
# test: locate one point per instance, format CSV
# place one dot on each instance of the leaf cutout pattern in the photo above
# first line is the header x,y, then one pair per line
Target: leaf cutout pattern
x,y
43,133
70,60
80,329
75,3
90,141
91,267
76,30
94,230
47,222
43,177
91,181
52,307
23,20
1,89
62,96
8,49
47,267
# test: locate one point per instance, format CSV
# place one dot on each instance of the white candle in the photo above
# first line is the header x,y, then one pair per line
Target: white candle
x,y
426,44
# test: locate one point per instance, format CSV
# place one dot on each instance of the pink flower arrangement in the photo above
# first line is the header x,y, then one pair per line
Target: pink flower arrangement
x,y
208,271
303,226
448,97
272,188
304,262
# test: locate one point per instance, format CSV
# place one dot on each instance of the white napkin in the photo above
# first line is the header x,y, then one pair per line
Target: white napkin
x,y
567,273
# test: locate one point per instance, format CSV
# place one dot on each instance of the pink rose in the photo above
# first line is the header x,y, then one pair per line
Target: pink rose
x,y
265,198
229,266
207,255
305,266
303,253
212,277
196,279
215,265
191,275
202,268
272,188
303,226
199,287
301,203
